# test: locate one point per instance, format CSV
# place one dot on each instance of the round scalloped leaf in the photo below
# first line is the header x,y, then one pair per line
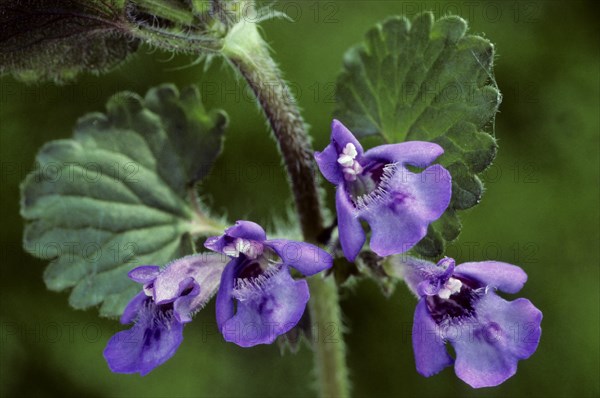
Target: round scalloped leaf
x,y
426,81
116,195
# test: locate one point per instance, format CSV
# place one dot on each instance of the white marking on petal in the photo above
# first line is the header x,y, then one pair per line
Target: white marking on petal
x,y
255,287
380,192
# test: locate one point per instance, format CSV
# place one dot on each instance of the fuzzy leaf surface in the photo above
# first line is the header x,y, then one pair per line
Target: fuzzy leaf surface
x,y
58,39
116,195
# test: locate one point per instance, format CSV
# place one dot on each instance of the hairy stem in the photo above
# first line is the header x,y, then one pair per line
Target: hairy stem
x,y
246,50
278,105
329,346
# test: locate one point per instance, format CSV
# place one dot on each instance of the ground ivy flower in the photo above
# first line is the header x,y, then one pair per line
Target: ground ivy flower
x,y
459,305
377,187
167,301
258,299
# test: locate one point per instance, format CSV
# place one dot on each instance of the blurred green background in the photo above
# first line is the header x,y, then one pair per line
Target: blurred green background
x,y
540,211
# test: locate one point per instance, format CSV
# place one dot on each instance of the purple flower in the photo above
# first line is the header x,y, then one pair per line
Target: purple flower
x,y
167,301
258,299
459,305
377,187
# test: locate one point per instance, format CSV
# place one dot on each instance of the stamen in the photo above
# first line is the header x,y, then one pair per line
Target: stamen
x,y
250,248
351,168
451,286
345,160
350,150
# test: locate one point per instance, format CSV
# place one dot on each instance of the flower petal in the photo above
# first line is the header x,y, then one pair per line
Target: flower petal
x,y
171,289
400,217
224,302
488,349
438,275
431,189
204,269
416,153
267,311
328,164
247,230
429,347
394,231
216,243
242,229
328,159
144,274
148,344
352,235
306,258
341,136
184,307
519,317
133,307
208,275
503,276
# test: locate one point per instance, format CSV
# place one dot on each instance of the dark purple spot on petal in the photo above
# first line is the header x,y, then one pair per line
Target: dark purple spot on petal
x,y
187,291
398,201
250,270
266,305
147,337
459,305
491,332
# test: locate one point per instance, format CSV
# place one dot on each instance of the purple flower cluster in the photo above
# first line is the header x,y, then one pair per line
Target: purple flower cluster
x,y
259,300
457,305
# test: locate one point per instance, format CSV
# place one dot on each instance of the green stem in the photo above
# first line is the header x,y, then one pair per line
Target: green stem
x,y
246,50
248,53
330,349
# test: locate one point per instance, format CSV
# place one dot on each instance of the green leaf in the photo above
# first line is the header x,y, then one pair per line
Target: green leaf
x,y
58,39
117,195
426,81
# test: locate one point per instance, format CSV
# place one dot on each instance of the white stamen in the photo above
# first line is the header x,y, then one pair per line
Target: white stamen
x,y
350,171
239,246
357,168
452,286
348,161
350,150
